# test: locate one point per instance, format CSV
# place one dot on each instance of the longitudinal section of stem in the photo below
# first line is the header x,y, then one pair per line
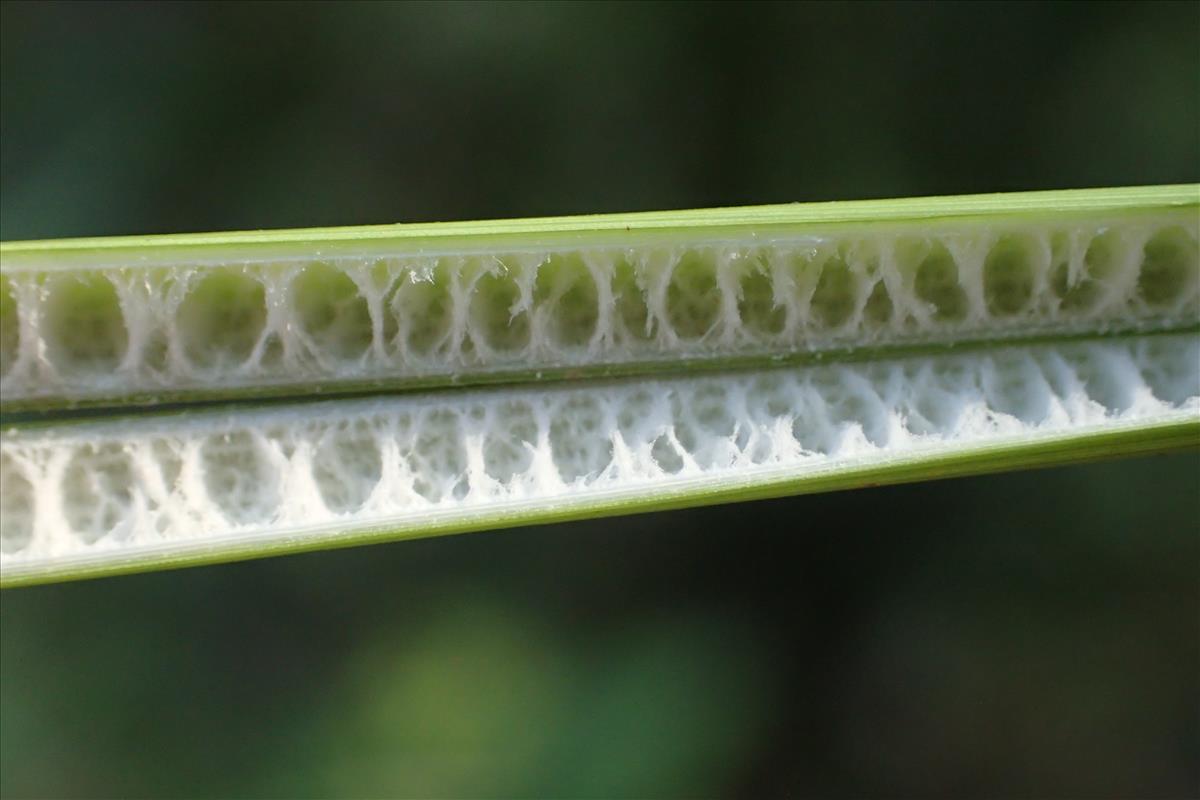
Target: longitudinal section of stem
x,y
121,489
228,319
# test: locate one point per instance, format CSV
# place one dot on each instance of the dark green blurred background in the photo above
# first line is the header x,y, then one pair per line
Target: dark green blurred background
x,y
1026,635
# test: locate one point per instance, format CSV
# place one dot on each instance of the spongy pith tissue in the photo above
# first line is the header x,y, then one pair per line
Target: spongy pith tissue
x,y
175,481
207,327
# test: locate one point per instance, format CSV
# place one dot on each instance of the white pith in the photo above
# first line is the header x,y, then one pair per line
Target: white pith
x,y
88,490
220,326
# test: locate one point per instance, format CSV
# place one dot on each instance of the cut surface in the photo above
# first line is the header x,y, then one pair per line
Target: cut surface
x,y
106,322
702,356
110,494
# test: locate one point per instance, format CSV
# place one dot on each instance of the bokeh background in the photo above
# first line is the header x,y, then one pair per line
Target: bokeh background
x,y
1024,635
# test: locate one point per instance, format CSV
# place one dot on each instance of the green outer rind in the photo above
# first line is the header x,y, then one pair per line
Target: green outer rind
x,y
1127,440
601,228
